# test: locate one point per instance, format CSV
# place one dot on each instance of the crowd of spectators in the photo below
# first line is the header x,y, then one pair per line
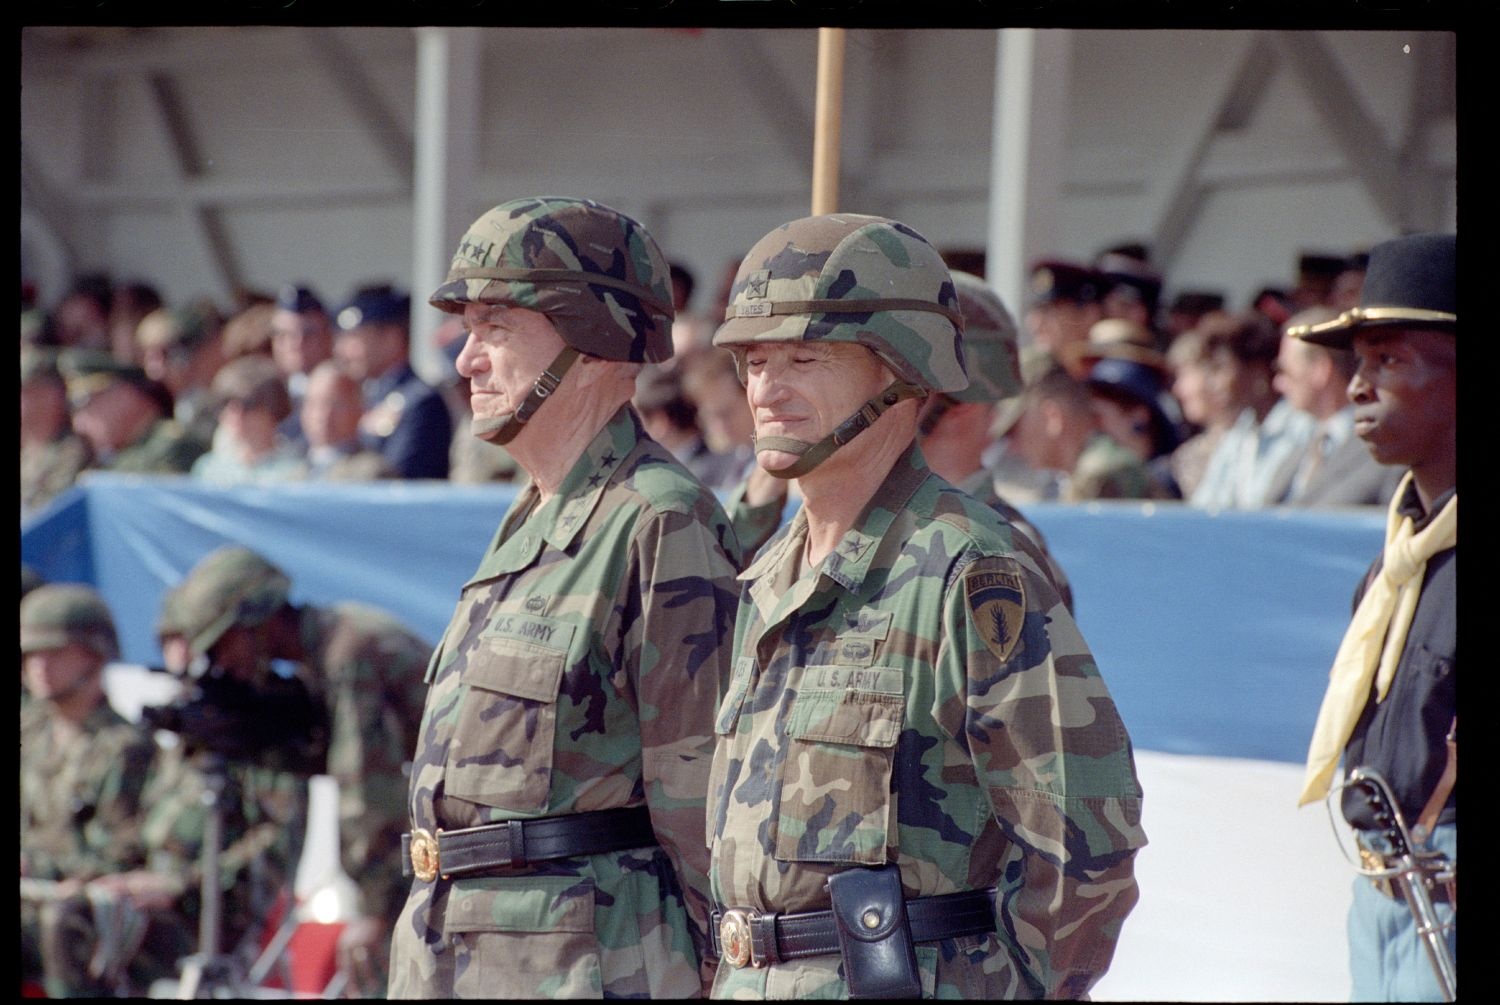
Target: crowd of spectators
x,y
1127,395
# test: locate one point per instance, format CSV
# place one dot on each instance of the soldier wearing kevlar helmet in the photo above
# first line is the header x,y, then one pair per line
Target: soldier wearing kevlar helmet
x,y
906,314
955,428
894,638
82,765
557,812
596,274
365,668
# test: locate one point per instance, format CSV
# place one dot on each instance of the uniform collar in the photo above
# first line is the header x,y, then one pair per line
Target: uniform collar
x,y
560,520
851,559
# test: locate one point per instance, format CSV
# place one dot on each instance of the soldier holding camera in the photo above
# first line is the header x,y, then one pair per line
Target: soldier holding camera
x,y
363,670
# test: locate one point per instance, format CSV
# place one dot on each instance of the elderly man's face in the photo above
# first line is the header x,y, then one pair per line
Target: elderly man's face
x,y
803,390
507,349
1405,393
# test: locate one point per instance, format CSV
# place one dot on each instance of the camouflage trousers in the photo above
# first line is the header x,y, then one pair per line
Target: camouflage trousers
x,y
610,926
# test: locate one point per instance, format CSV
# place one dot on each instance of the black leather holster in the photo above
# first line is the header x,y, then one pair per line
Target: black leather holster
x,y
875,941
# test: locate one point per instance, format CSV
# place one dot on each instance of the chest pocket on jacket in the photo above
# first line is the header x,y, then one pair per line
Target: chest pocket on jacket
x,y
835,802
501,751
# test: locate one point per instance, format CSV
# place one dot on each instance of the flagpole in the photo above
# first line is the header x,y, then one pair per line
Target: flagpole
x,y
828,121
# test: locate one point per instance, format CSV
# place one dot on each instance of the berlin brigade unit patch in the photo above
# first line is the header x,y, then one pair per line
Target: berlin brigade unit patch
x,y
997,605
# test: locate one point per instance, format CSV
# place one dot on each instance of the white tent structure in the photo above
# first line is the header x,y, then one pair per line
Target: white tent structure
x,y
210,159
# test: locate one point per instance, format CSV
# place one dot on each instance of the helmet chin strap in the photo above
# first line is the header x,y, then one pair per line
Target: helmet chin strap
x,y
501,429
810,455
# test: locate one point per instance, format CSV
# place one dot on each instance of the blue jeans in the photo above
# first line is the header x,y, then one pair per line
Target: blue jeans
x,y
1386,959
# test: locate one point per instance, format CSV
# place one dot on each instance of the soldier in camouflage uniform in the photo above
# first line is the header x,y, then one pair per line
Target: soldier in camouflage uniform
x,y
954,429
82,765
914,717
126,417
568,729
52,455
126,930
367,669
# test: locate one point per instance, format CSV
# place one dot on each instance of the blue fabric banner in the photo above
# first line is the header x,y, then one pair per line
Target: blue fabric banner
x,y
1214,631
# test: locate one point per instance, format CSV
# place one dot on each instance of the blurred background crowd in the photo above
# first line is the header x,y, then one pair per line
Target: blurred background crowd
x,y
1131,390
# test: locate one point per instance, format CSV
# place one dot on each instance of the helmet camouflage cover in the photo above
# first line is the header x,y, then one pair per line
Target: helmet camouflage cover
x,y
54,615
596,273
231,586
990,342
846,277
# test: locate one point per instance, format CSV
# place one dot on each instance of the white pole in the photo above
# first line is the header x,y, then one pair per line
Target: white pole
x,y
1027,156
447,160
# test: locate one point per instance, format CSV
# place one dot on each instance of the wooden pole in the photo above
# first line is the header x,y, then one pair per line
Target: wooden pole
x,y
828,121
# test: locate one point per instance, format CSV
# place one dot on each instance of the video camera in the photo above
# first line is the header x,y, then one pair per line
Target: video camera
x,y
239,720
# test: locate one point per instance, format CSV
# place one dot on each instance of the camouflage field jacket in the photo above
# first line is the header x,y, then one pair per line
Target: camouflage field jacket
x,y
580,672
81,798
924,698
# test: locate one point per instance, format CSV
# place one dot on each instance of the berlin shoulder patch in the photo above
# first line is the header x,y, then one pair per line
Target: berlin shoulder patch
x,y
997,606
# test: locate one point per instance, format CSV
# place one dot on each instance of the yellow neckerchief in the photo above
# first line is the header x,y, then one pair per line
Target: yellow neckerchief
x,y
1376,636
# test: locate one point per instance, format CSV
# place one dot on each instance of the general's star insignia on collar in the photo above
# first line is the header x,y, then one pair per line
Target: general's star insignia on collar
x,y
997,606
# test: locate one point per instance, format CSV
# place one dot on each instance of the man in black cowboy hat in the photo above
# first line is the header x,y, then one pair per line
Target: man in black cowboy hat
x,y
1390,705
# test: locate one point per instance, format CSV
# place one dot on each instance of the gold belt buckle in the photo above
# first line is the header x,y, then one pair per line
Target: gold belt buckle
x,y
424,854
734,938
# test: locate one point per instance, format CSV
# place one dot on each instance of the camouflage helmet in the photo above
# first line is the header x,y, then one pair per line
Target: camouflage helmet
x,y
56,614
990,343
596,273
230,586
845,277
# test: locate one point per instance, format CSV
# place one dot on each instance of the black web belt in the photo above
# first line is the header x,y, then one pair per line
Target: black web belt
x,y
774,938
515,843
